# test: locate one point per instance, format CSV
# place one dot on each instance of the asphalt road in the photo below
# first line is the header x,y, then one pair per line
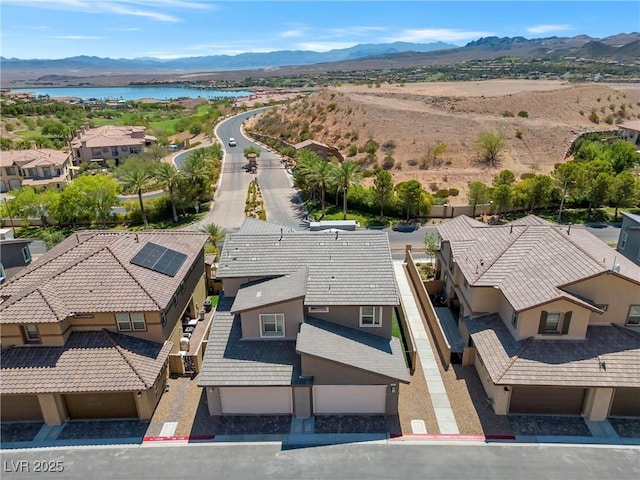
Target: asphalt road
x,y
347,461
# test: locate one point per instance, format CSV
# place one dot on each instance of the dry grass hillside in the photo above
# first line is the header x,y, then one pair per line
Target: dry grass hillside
x,y
411,119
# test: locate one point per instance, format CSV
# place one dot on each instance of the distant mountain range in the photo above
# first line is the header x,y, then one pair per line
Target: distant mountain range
x,y
623,47
243,61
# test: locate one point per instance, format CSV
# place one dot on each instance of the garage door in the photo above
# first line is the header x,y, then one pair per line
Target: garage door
x,y
255,400
20,408
101,405
565,401
339,399
626,402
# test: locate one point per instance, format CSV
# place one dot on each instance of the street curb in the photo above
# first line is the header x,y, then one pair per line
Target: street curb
x,y
451,436
175,438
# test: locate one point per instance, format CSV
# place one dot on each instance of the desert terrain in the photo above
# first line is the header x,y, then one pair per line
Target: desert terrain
x,y
414,117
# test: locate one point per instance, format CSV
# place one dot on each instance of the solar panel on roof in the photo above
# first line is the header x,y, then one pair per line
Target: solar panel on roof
x,y
159,259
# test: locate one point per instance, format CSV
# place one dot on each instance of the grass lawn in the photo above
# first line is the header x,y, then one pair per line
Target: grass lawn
x,y
214,300
395,325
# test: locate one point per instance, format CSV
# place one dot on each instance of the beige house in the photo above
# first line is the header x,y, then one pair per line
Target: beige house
x,y
630,131
44,168
89,329
109,142
320,149
552,312
304,325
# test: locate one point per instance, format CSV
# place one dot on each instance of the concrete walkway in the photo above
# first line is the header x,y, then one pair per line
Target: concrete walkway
x,y
444,414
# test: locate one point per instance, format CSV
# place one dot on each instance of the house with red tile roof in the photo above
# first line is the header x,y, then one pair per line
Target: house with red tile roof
x,y
551,313
38,168
90,329
109,142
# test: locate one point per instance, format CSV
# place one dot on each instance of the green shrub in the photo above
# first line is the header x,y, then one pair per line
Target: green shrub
x,y
523,114
519,133
593,117
454,192
388,162
433,186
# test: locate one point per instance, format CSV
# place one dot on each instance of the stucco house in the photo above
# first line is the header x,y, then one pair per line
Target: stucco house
x,y
15,254
109,142
552,312
44,168
320,149
629,239
304,325
89,328
630,131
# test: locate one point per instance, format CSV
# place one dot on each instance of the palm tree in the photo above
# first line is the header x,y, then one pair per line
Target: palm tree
x,y
197,169
345,175
317,172
168,176
136,179
216,234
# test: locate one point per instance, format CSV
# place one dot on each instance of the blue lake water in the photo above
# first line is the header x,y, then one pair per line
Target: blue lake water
x,y
132,93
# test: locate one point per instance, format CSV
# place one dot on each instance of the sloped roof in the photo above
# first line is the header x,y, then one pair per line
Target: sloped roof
x,y
609,356
631,125
252,226
231,361
354,348
110,135
91,272
344,268
530,260
98,361
270,291
33,157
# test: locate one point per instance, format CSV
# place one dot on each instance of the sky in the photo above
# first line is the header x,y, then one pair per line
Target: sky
x,y
188,28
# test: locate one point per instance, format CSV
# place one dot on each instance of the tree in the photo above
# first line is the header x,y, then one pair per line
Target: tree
x,y
168,176
383,190
216,234
431,244
542,188
622,156
622,192
505,177
99,195
478,193
343,176
599,190
72,205
490,143
410,194
197,170
137,179
252,149
25,204
318,172
502,197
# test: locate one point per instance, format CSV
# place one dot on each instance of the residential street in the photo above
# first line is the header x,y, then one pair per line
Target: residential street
x,y
349,461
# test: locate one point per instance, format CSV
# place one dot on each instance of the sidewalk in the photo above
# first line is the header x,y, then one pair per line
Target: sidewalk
x,y
444,414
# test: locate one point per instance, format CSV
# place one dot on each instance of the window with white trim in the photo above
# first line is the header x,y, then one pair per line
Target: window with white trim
x,y
31,333
272,324
370,316
634,315
623,241
133,321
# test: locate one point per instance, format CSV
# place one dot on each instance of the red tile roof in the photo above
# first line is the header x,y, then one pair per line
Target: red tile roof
x,y
91,272
100,361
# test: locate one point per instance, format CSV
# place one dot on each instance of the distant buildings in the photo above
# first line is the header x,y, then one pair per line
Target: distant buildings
x,y
109,142
44,168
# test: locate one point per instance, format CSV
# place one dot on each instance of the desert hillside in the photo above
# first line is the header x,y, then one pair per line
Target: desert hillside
x,y
539,119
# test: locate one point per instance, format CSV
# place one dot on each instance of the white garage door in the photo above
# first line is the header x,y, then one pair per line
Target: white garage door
x,y
338,399
255,400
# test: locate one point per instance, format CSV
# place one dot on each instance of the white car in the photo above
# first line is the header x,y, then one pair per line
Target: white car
x,y
232,142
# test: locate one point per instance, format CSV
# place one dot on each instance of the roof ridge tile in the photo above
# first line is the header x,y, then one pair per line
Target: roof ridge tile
x,y
123,354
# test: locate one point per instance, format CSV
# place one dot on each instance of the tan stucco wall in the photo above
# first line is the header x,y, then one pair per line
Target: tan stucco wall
x,y
50,334
529,320
232,285
325,372
482,300
302,401
293,317
597,403
496,393
608,289
53,408
349,315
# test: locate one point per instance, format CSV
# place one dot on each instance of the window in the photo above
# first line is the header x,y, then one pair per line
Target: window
x,y
514,320
31,172
163,318
370,316
554,323
623,241
46,171
31,334
318,309
182,287
131,321
26,254
634,315
11,170
96,152
272,325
